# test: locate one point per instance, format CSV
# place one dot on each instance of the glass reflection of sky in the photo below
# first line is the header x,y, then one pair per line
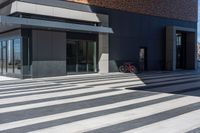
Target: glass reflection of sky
x,y
17,48
198,21
10,51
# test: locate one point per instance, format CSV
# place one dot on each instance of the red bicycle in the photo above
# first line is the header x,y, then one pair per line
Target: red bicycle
x,y
128,68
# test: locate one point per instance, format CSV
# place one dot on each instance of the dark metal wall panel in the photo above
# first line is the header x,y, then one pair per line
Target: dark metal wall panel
x,y
49,45
82,36
132,31
49,53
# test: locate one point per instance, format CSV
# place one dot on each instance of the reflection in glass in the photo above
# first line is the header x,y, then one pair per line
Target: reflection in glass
x,y
17,56
1,58
10,59
81,56
180,50
4,57
92,56
72,56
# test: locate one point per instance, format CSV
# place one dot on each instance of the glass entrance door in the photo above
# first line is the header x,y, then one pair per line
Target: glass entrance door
x,y
180,50
92,56
72,56
81,56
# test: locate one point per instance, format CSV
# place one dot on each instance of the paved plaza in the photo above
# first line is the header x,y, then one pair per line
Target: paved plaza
x,y
152,102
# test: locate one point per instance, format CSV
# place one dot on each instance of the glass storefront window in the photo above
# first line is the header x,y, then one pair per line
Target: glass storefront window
x,y
17,56
92,56
81,56
72,56
10,57
0,58
4,57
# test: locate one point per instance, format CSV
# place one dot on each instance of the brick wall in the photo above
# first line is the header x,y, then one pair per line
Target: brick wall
x,y
176,9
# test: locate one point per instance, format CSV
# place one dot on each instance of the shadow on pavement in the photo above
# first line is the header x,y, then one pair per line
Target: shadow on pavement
x,y
181,82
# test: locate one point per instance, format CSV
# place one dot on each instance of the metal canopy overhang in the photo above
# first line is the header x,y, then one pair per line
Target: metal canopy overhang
x,y
8,23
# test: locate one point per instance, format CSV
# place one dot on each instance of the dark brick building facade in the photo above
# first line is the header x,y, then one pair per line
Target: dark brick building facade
x,y
176,9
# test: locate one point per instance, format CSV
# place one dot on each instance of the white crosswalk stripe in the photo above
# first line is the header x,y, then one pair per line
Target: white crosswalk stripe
x,y
78,112
179,124
43,104
120,116
116,102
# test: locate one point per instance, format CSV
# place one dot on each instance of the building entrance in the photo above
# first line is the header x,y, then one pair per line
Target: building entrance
x,y
81,56
180,50
143,59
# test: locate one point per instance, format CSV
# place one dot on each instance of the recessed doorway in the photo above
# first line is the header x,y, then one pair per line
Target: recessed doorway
x,y
81,56
181,47
143,59
180,50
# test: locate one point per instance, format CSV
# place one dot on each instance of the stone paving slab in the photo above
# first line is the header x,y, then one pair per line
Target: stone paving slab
x,y
160,102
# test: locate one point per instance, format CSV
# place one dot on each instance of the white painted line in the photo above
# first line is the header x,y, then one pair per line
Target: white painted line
x,y
56,102
120,117
179,124
66,91
78,112
15,86
35,90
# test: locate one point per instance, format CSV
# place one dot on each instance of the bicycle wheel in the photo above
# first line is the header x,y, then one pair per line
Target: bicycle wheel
x,y
122,69
133,70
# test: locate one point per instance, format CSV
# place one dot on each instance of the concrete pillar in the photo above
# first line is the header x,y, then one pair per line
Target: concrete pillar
x,y
103,53
103,60
170,60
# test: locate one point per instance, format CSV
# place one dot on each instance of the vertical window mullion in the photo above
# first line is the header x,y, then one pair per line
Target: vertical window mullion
x,y
0,59
13,61
6,47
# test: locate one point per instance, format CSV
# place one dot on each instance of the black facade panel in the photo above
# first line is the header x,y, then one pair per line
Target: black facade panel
x,y
82,36
49,45
49,53
132,31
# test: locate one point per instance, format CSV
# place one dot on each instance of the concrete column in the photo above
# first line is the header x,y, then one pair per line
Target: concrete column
x,y
103,46
170,49
103,53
